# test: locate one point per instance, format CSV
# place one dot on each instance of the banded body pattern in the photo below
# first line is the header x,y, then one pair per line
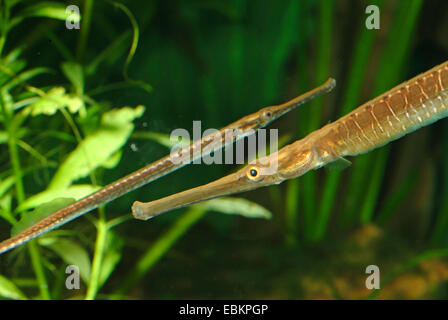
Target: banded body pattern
x,y
403,109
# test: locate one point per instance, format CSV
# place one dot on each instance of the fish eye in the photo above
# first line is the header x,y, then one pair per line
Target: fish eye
x,y
267,114
254,174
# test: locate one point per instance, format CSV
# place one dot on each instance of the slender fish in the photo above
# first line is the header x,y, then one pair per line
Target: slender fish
x,y
403,109
242,128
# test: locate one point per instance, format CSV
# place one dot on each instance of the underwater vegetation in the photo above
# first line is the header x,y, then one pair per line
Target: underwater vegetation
x,y
80,108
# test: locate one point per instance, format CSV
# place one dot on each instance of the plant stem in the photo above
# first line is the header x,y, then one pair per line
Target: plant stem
x,y
322,72
85,28
360,59
292,219
15,162
20,194
160,247
388,75
4,24
440,235
39,270
98,255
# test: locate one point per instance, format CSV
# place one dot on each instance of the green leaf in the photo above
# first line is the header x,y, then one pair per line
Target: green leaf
x,y
11,65
111,53
49,9
76,192
113,254
6,184
11,3
73,71
240,206
13,55
39,213
5,208
55,99
73,254
161,138
136,32
9,290
25,102
97,148
24,76
7,101
113,160
5,199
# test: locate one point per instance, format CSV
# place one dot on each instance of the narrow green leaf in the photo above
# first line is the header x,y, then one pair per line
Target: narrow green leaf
x,y
160,247
5,208
5,199
5,202
13,55
6,184
292,211
10,66
240,206
48,9
111,53
9,290
11,3
161,138
25,102
111,258
74,72
25,76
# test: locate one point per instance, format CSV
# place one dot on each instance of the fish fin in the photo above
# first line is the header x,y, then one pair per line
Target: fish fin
x,y
339,164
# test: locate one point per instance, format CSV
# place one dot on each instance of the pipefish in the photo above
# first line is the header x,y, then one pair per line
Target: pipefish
x,y
401,110
208,144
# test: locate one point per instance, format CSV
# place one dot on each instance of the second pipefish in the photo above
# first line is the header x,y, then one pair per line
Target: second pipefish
x,y
401,110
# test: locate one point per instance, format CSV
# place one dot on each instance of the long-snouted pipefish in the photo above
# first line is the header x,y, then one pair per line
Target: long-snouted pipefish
x,y
239,129
403,109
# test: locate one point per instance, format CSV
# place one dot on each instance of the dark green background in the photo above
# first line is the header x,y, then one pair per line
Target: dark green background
x,y
216,61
